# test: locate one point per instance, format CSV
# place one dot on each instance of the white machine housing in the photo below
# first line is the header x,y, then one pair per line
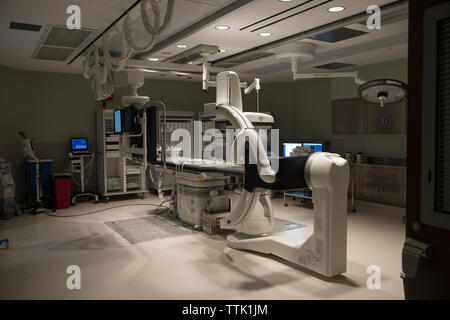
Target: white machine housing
x,y
325,249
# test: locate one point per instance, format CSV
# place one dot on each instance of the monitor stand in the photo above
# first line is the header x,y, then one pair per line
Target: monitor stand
x,y
83,193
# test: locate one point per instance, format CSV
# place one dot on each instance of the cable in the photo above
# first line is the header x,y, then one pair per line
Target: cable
x,y
106,209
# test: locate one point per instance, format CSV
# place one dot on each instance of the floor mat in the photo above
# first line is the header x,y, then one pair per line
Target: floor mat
x,y
153,227
147,229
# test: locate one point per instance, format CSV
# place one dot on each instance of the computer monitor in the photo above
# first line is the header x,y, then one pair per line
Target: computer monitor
x,y
289,147
79,145
318,147
118,121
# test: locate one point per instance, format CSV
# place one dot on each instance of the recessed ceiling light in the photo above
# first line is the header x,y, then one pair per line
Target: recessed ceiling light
x,y
222,50
222,27
336,9
265,34
153,59
285,0
182,46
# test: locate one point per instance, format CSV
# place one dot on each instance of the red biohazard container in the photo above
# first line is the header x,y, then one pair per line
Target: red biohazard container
x,y
62,191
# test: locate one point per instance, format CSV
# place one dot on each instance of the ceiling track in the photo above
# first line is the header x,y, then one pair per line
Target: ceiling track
x,y
106,30
186,32
275,15
305,34
291,16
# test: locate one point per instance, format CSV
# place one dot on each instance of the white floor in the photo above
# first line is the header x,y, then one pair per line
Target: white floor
x,y
196,266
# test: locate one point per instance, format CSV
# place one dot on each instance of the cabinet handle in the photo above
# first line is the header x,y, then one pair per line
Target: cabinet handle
x,y
381,188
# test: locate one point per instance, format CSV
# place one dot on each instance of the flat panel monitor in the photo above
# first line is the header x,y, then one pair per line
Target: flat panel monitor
x,y
317,147
289,147
118,121
79,145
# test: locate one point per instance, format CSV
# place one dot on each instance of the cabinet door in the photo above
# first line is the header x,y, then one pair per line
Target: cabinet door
x,y
389,191
371,184
348,116
388,119
358,181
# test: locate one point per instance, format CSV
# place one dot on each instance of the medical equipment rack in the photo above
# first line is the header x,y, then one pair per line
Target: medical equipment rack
x,y
115,152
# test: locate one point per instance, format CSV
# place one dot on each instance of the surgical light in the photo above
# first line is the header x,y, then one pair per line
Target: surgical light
x,y
383,91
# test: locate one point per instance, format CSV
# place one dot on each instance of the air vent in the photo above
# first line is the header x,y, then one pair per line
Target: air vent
x,y
193,55
25,26
63,37
335,66
56,54
58,42
338,35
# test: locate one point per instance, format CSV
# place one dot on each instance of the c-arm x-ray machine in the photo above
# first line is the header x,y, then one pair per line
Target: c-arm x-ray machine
x,y
325,250
252,217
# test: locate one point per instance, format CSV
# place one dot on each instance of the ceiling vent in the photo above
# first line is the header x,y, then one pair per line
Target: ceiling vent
x,y
338,35
335,66
25,26
193,55
59,43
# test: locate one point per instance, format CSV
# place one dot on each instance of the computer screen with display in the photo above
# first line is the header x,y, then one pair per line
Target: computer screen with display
x,y
118,121
289,147
79,144
316,146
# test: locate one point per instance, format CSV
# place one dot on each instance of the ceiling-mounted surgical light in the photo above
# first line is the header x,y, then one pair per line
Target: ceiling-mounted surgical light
x,y
222,28
383,91
336,9
265,34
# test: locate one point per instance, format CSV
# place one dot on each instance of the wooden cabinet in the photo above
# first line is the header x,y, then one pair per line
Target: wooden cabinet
x,y
388,119
356,116
348,116
381,184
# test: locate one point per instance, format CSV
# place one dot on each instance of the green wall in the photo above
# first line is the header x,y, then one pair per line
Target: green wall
x,y
54,107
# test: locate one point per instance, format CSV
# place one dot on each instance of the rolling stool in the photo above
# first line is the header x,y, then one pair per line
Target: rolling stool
x,y
6,241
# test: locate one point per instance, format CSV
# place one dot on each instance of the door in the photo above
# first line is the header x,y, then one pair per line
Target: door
x,y
426,253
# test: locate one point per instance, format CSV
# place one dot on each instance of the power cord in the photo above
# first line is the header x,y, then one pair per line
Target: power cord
x,y
158,206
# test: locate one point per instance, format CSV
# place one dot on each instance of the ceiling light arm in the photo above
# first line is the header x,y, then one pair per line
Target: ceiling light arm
x,y
205,76
256,85
354,75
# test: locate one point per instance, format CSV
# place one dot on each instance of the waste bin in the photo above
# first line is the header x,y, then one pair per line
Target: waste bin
x,y
61,191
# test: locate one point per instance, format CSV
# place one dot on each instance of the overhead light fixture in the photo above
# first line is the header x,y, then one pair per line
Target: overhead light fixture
x,y
265,34
222,50
154,59
285,0
182,46
222,27
336,9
